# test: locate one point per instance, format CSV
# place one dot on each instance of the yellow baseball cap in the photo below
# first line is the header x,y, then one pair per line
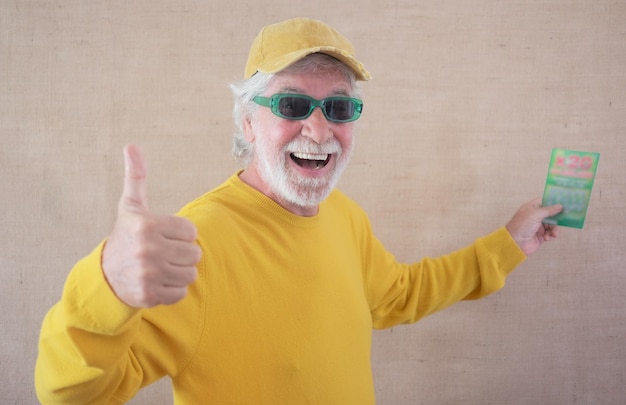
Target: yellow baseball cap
x,y
280,45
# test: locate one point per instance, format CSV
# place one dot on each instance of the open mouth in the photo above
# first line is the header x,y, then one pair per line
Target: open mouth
x,y
311,161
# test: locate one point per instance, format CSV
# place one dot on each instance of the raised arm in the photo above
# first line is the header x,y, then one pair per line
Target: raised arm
x,y
93,347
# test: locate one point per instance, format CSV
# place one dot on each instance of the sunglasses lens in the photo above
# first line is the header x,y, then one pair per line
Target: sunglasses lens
x,y
339,109
294,106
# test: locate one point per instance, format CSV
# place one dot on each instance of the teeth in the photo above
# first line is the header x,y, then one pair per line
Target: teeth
x,y
310,156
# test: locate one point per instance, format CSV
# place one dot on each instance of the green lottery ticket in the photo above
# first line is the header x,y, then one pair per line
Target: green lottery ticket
x,y
570,180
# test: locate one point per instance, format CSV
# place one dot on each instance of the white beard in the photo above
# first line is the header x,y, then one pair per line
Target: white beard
x,y
291,187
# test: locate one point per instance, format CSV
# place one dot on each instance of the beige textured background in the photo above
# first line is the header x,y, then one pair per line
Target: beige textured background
x,y
468,99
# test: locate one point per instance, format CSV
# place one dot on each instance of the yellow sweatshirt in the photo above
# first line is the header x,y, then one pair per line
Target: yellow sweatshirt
x,y
281,313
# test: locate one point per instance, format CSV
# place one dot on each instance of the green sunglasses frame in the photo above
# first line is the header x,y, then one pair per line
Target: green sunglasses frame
x,y
274,101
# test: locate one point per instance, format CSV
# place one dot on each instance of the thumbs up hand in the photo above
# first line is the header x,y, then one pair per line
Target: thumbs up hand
x,y
148,259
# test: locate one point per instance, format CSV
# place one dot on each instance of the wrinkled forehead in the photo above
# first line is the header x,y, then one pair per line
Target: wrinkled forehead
x,y
315,84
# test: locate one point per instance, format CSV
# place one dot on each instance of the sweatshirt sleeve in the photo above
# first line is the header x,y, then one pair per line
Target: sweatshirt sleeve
x,y
84,344
405,293
94,349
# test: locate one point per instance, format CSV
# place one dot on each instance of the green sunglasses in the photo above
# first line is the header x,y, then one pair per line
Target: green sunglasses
x,y
300,106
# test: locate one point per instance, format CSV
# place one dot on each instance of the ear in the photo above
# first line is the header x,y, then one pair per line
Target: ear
x,y
248,133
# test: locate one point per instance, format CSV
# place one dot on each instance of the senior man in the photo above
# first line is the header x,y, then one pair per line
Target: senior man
x,y
265,290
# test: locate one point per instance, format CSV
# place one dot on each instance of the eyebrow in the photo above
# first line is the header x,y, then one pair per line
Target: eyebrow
x,y
289,89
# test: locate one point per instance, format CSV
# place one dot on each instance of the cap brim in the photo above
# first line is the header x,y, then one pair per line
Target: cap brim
x,y
283,62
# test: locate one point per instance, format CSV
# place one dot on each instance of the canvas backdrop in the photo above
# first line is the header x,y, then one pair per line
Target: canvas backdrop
x,y
467,101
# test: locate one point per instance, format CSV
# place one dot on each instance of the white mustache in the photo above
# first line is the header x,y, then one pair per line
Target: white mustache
x,y
303,145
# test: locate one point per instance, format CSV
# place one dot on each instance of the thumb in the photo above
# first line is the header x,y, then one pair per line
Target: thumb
x,y
134,195
554,209
551,210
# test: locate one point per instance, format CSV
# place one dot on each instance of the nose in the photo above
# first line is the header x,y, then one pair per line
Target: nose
x,y
317,127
